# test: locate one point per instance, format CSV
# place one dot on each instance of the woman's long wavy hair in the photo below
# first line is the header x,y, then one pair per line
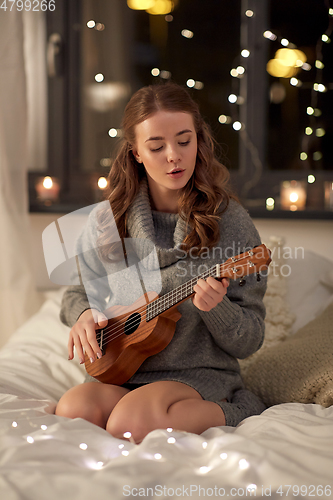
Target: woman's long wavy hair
x,y
205,196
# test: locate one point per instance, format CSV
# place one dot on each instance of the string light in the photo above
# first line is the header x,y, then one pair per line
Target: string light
x,y
237,125
99,77
270,203
311,179
187,33
243,464
204,469
232,98
224,119
113,132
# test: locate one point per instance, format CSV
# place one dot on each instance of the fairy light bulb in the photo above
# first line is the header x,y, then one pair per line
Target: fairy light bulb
x,y
113,132
91,24
311,179
99,77
245,53
155,72
232,98
270,203
204,469
243,464
269,35
249,13
325,38
237,125
187,33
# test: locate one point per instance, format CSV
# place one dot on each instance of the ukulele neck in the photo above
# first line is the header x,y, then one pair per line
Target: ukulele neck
x,y
177,295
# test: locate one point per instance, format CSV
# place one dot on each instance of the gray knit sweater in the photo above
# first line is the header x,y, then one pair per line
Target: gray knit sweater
x,y
205,345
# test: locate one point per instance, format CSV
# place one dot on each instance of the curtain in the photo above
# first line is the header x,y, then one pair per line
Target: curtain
x,y
19,298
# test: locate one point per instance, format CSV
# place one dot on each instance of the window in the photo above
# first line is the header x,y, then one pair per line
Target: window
x,y
100,52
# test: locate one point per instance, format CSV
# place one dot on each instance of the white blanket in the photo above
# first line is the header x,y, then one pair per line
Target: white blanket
x,y
286,452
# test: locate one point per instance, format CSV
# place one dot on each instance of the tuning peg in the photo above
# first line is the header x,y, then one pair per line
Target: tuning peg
x,y
242,281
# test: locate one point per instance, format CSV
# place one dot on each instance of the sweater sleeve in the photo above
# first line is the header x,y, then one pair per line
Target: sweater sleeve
x,y
237,322
94,289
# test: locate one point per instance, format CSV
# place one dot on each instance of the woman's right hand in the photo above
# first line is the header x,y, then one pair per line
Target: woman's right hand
x,y
83,335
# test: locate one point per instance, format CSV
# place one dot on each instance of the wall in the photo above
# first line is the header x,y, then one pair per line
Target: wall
x,y
315,235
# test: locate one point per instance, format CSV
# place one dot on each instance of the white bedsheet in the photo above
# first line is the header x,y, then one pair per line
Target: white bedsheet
x,y
287,452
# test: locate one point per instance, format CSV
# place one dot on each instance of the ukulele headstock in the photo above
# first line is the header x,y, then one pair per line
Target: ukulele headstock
x,y
252,261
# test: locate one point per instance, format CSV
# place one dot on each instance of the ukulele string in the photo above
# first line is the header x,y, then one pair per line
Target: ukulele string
x,y
112,332
116,329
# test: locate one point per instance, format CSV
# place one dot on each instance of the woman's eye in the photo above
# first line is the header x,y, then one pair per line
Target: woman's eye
x,y
184,143
157,149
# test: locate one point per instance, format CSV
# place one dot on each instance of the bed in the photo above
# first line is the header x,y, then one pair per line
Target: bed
x,y
286,452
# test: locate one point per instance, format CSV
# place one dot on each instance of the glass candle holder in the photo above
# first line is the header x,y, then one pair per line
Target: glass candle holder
x,y
328,186
47,189
293,195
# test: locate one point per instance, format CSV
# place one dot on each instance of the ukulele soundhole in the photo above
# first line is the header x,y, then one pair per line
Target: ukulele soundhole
x,y
132,323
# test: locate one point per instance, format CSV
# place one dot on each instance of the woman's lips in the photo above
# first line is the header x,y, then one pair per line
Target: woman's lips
x,y
176,174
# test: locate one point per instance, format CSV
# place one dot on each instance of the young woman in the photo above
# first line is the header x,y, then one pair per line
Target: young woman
x,y
167,186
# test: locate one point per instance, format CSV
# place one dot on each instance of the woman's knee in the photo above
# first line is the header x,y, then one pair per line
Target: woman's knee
x,y
79,402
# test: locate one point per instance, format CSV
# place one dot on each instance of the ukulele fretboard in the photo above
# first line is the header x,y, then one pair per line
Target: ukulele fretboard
x,y
177,294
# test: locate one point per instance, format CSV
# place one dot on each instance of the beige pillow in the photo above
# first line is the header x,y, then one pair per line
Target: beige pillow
x,y
299,368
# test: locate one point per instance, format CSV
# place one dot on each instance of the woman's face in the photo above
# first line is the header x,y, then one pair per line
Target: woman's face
x,y
166,144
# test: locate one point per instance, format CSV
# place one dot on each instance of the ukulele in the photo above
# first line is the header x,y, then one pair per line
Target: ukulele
x,y
135,332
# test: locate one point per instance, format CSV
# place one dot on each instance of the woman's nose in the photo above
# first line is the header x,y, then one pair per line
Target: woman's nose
x,y
172,155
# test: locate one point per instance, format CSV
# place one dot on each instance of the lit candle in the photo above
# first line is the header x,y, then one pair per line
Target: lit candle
x,y
293,195
47,189
329,194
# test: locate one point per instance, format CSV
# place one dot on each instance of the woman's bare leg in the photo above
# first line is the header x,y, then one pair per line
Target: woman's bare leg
x,y
160,405
92,401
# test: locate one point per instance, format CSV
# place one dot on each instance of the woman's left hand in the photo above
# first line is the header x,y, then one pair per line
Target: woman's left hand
x,y
208,293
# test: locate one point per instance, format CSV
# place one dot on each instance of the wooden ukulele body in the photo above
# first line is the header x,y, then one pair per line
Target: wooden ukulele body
x,y
125,354
128,339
